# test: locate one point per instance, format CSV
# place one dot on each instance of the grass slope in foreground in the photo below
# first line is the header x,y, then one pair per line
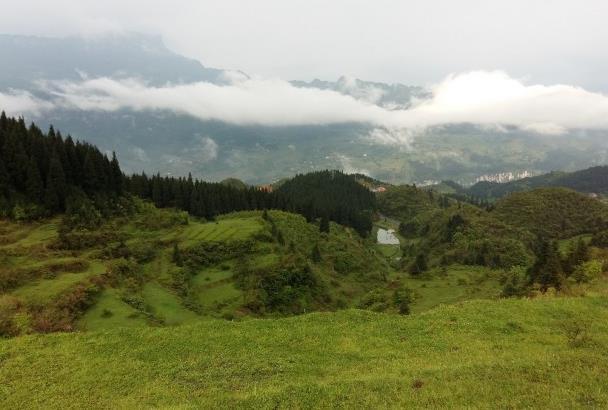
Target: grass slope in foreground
x,y
547,352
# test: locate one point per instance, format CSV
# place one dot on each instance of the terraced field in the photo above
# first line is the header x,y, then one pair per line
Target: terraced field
x,y
221,230
43,291
111,312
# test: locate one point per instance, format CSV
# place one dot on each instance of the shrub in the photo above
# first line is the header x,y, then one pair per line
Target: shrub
x,y
587,271
577,331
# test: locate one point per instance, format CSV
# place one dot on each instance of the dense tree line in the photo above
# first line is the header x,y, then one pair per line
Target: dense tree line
x,y
39,171
333,195
40,174
199,198
326,195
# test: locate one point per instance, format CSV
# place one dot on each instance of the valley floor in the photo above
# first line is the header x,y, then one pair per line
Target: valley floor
x,y
548,352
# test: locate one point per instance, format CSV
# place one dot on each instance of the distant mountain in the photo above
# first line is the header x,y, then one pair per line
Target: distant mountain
x,y
26,60
591,180
176,144
390,96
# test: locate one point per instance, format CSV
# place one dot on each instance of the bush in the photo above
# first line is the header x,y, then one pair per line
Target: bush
x,y
577,332
587,271
402,299
514,283
63,312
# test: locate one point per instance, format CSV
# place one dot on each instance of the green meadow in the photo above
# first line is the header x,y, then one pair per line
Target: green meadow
x,y
546,353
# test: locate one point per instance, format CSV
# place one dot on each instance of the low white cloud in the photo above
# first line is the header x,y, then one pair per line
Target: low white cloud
x,y
346,164
245,101
205,150
367,92
488,99
494,98
22,102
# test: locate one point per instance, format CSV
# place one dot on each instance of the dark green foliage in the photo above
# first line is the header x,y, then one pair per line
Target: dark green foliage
x,y
39,171
577,255
468,235
453,225
177,255
515,283
34,187
420,264
324,224
56,186
347,203
553,212
289,287
547,270
409,229
280,238
406,202
333,195
315,254
600,239
402,298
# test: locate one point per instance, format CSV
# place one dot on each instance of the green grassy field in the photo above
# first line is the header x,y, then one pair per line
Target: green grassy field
x,y
44,290
452,285
480,354
110,312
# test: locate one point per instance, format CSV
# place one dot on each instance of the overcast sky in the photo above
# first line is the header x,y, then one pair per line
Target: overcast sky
x,y
414,42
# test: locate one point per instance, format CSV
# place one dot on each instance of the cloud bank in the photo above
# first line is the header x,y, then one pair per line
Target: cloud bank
x,y
486,98
17,102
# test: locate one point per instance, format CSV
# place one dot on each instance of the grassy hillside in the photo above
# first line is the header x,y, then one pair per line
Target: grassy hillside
x,y
406,201
553,212
159,267
544,353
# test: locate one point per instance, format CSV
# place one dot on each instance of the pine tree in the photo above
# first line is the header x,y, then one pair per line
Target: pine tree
x,y
55,191
5,183
547,270
116,175
15,160
420,264
402,299
33,184
157,191
91,180
577,256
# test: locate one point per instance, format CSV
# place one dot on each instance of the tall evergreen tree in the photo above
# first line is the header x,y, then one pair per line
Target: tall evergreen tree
x,y
55,191
34,187
547,270
116,175
419,265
